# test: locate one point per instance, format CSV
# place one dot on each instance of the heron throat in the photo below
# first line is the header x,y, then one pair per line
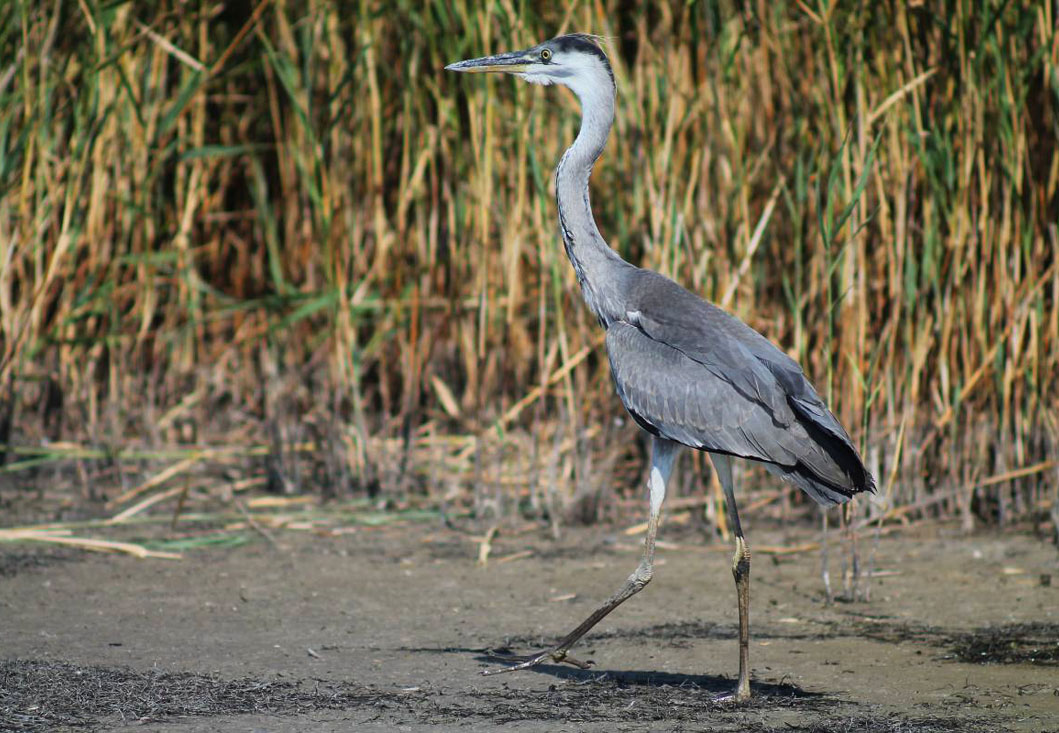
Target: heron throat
x,y
600,271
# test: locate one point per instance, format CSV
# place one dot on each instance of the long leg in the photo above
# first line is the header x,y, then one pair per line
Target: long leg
x,y
663,456
740,571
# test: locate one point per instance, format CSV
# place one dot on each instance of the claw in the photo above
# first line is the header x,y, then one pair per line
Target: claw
x,y
532,660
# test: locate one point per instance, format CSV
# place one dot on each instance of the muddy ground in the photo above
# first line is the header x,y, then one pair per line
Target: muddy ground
x,y
388,628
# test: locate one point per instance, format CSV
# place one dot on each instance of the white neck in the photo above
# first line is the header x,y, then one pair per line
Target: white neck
x,y
599,268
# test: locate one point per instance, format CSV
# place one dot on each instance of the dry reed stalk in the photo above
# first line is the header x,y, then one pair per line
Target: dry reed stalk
x,y
147,503
63,537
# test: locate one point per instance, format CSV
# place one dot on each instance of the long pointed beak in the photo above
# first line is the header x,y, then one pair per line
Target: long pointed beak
x,y
512,63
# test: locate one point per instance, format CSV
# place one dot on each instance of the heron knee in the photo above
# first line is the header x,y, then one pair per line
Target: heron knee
x,y
740,560
642,576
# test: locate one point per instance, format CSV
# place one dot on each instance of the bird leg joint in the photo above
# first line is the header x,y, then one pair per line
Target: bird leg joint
x,y
741,559
642,576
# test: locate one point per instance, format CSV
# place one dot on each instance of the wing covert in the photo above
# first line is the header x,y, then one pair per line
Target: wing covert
x,y
676,397
714,338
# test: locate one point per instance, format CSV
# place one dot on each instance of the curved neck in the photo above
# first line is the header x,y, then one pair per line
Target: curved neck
x,y
599,269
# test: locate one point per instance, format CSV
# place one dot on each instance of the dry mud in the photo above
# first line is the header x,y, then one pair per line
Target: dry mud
x,y
388,629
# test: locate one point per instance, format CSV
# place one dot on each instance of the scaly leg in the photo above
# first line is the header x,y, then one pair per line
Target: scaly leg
x,y
663,456
741,573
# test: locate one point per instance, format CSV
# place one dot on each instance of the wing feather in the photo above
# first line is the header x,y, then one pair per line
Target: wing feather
x,y
714,338
677,398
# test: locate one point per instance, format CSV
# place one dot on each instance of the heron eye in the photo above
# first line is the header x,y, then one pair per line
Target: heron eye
x,y
546,55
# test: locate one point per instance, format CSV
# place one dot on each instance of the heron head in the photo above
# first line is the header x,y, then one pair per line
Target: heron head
x,y
575,61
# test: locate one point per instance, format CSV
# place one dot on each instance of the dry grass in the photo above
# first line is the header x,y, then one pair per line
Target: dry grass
x,y
280,224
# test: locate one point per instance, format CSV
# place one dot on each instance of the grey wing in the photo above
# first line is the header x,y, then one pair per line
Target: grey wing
x,y
733,351
799,392
714,338
676,397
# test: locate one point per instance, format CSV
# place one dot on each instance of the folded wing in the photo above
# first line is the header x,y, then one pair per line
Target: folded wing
x,y
704,379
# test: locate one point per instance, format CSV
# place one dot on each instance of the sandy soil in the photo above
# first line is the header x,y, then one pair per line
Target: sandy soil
x,y
388,628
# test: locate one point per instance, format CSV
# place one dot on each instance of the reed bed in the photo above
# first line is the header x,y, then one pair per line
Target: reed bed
x,y
274,241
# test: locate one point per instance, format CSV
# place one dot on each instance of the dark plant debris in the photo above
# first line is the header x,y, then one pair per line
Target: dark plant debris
x,y
14,563
36,695
1030,643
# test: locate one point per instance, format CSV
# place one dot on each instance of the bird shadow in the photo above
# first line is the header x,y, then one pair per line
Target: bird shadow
x,y
713,685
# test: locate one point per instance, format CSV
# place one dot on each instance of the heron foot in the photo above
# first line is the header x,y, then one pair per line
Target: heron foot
x,y
738,697
517,662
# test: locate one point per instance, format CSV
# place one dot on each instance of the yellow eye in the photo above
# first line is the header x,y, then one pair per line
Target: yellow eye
x,y
546,55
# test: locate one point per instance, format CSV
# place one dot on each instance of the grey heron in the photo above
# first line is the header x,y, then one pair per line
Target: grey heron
x,y
688,372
